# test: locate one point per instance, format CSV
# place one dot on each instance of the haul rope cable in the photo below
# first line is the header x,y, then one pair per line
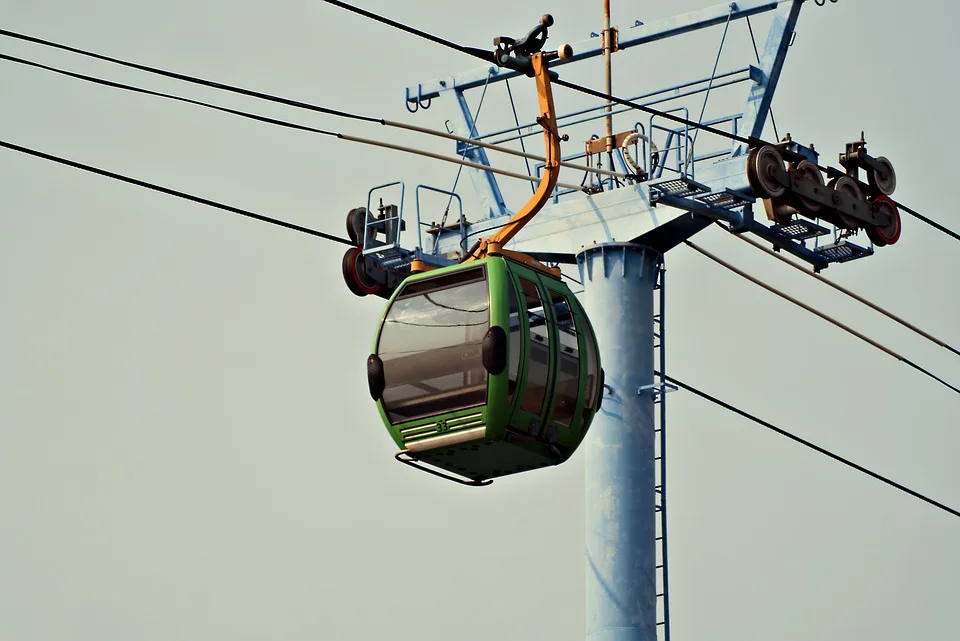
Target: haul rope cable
x,y
312,232
291,125
849,293
817,312
174,192
295,103
810,445
477,53
339,113
486,56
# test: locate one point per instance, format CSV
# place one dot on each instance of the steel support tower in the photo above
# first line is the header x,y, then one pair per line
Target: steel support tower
x,y
619,280
617,236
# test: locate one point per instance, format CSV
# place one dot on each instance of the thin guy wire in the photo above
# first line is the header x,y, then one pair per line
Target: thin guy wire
x,y
850,293
816,448
173,192
516,119
756,52
825,317
473,132
716,63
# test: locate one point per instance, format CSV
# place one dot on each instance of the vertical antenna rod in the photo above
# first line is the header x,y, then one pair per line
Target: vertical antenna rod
x,y
608,70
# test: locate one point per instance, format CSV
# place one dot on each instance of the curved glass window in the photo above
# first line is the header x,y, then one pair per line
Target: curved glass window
x,y
538,366
430,345
516,340
568,374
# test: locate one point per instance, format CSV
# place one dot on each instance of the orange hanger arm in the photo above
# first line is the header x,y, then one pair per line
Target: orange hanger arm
x,y
551,169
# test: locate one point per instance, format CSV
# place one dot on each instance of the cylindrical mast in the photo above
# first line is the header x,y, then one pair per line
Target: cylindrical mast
x,y
621,594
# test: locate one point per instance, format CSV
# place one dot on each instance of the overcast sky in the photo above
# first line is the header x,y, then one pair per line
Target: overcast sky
x,y
187,446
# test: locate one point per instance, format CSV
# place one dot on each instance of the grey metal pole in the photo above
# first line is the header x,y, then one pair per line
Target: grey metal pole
x,y
621,594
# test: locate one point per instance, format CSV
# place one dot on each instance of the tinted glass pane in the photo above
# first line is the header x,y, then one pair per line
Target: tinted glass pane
x,y
516,339
568,377
593,374
538,367
430,346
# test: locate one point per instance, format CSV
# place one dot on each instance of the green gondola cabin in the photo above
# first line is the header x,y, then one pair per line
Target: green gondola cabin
x,y
485,369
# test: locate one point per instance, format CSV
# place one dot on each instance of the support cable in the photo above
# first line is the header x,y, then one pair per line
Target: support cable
x,y
825,317
808,444
285,123
485,56
477,53
173,192
291,125
313,232
851,294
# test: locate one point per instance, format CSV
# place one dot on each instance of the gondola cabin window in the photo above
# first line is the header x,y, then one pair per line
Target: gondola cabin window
x,y
431,343
568,375
538,360
516,340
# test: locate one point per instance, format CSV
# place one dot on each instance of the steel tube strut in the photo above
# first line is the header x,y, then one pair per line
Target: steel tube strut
x,y
621,594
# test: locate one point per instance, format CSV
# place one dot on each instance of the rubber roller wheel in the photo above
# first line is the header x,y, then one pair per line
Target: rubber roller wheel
x,y
847,185
357,281
807,172
885,234
886,183
356,219
763,163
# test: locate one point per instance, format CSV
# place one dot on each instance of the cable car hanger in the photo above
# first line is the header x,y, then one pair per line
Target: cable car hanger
x,y
490,366
525,55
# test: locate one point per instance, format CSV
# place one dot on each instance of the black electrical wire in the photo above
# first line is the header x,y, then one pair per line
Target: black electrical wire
x,y
478,53
926,220
160,94
486,56
840,288
191,79
808,444
173,192
818,313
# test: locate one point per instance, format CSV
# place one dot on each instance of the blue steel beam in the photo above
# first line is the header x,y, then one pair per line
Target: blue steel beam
x,y
484,182
583,49
771,64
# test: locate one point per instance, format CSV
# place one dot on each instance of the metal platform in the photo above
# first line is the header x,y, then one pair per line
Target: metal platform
x,y
678,187
843,252
801,229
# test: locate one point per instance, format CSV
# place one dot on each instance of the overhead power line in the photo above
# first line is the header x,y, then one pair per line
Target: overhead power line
x,y
817,312
851,294
174,192
808,444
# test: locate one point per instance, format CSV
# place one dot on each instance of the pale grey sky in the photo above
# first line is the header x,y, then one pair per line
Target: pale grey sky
x,y
187,447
